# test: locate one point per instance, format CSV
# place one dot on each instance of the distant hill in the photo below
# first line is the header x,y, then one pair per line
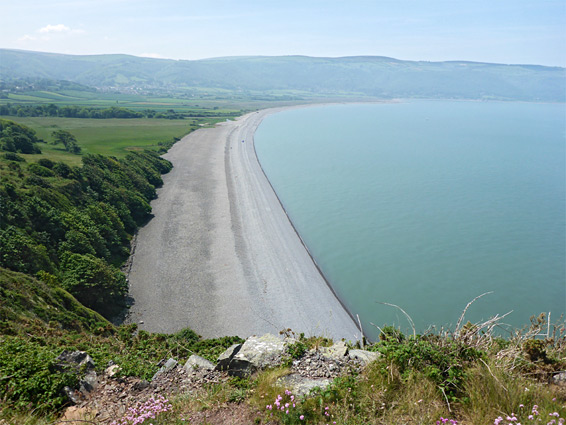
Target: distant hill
x,y
368,76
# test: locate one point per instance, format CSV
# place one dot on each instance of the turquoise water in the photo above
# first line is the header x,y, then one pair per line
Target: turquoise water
x,y
427,205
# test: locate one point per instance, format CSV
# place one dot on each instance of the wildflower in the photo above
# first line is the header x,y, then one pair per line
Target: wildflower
x,y
302,417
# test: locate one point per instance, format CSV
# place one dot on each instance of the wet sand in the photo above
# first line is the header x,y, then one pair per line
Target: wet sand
x,y
220,255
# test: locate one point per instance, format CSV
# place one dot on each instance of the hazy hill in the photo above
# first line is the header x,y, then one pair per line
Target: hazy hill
x,y
363,75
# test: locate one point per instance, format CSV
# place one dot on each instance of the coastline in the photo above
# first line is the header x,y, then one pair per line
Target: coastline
x,y
220,255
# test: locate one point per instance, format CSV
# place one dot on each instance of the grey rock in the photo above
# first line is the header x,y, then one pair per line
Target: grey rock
x,y
198,362
88,383
559,379
224,359
141,385
337,352
257,353
77,360
73,394
363,356
300,385
169,364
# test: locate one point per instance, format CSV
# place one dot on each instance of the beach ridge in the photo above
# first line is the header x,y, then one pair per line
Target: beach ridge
x,y
220,255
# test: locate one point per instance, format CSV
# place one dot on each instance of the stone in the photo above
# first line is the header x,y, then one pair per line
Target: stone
x,y
77,360
300,385
74,395
363,356
169,364
257,353
337,351
559,379
226,357
140,385
75,415
198,362
112,370
88,383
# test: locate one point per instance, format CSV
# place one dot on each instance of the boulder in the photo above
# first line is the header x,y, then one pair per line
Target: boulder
x,y
255,354
169,364
337,351
300,385
198,362
559,379
226,357
75,360
363,356
88,383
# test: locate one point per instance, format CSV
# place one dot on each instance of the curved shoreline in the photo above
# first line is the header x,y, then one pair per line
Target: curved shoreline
x,y
299,235
220,255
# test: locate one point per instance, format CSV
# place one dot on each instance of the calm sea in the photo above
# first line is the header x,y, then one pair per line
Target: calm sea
x,y
428,204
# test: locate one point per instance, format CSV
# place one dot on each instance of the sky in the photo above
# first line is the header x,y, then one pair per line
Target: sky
x,y
497,31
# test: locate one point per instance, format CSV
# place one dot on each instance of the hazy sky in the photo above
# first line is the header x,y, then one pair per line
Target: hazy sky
x,y
503,31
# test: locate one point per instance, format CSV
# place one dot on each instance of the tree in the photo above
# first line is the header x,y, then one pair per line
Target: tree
x,y
93,282
67,139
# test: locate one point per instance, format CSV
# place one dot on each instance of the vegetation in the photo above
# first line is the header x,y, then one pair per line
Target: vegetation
x,y
67,139
64,231
74,111
75,222
17,138
292,78
39,319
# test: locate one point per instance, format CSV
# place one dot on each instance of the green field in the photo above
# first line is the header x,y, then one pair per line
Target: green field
x,y
113,137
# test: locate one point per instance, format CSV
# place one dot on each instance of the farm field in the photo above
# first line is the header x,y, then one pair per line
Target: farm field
x,y
114,137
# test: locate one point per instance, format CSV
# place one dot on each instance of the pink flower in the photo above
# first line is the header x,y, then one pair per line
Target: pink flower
x,y
302,417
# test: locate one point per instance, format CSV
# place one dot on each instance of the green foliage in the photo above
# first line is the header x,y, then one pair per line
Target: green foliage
x,y
17,138
441,360
20,252
67,139
39,170
76,222
93,282
39,319
27,375
11,156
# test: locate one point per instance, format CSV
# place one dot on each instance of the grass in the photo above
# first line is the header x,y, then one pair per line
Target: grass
x,y
113,137
506,379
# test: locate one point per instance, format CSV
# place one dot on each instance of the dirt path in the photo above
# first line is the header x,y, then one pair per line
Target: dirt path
x,y
220,256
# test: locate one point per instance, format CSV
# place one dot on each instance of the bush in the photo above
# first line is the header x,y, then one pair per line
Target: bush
x,y
31,383
94,283
40,170
11,156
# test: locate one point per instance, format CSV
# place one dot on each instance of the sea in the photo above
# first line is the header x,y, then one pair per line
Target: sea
x,y
413,209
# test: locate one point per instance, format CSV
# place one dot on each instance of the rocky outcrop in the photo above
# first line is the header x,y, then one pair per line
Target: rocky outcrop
x,y
82,365
198,362
314,368
165,366
364,357
256,353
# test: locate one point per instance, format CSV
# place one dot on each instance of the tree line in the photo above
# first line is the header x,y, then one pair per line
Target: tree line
x,y
74,111
71,225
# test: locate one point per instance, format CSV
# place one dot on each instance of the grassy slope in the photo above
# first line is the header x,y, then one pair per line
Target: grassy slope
x,y
113,137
